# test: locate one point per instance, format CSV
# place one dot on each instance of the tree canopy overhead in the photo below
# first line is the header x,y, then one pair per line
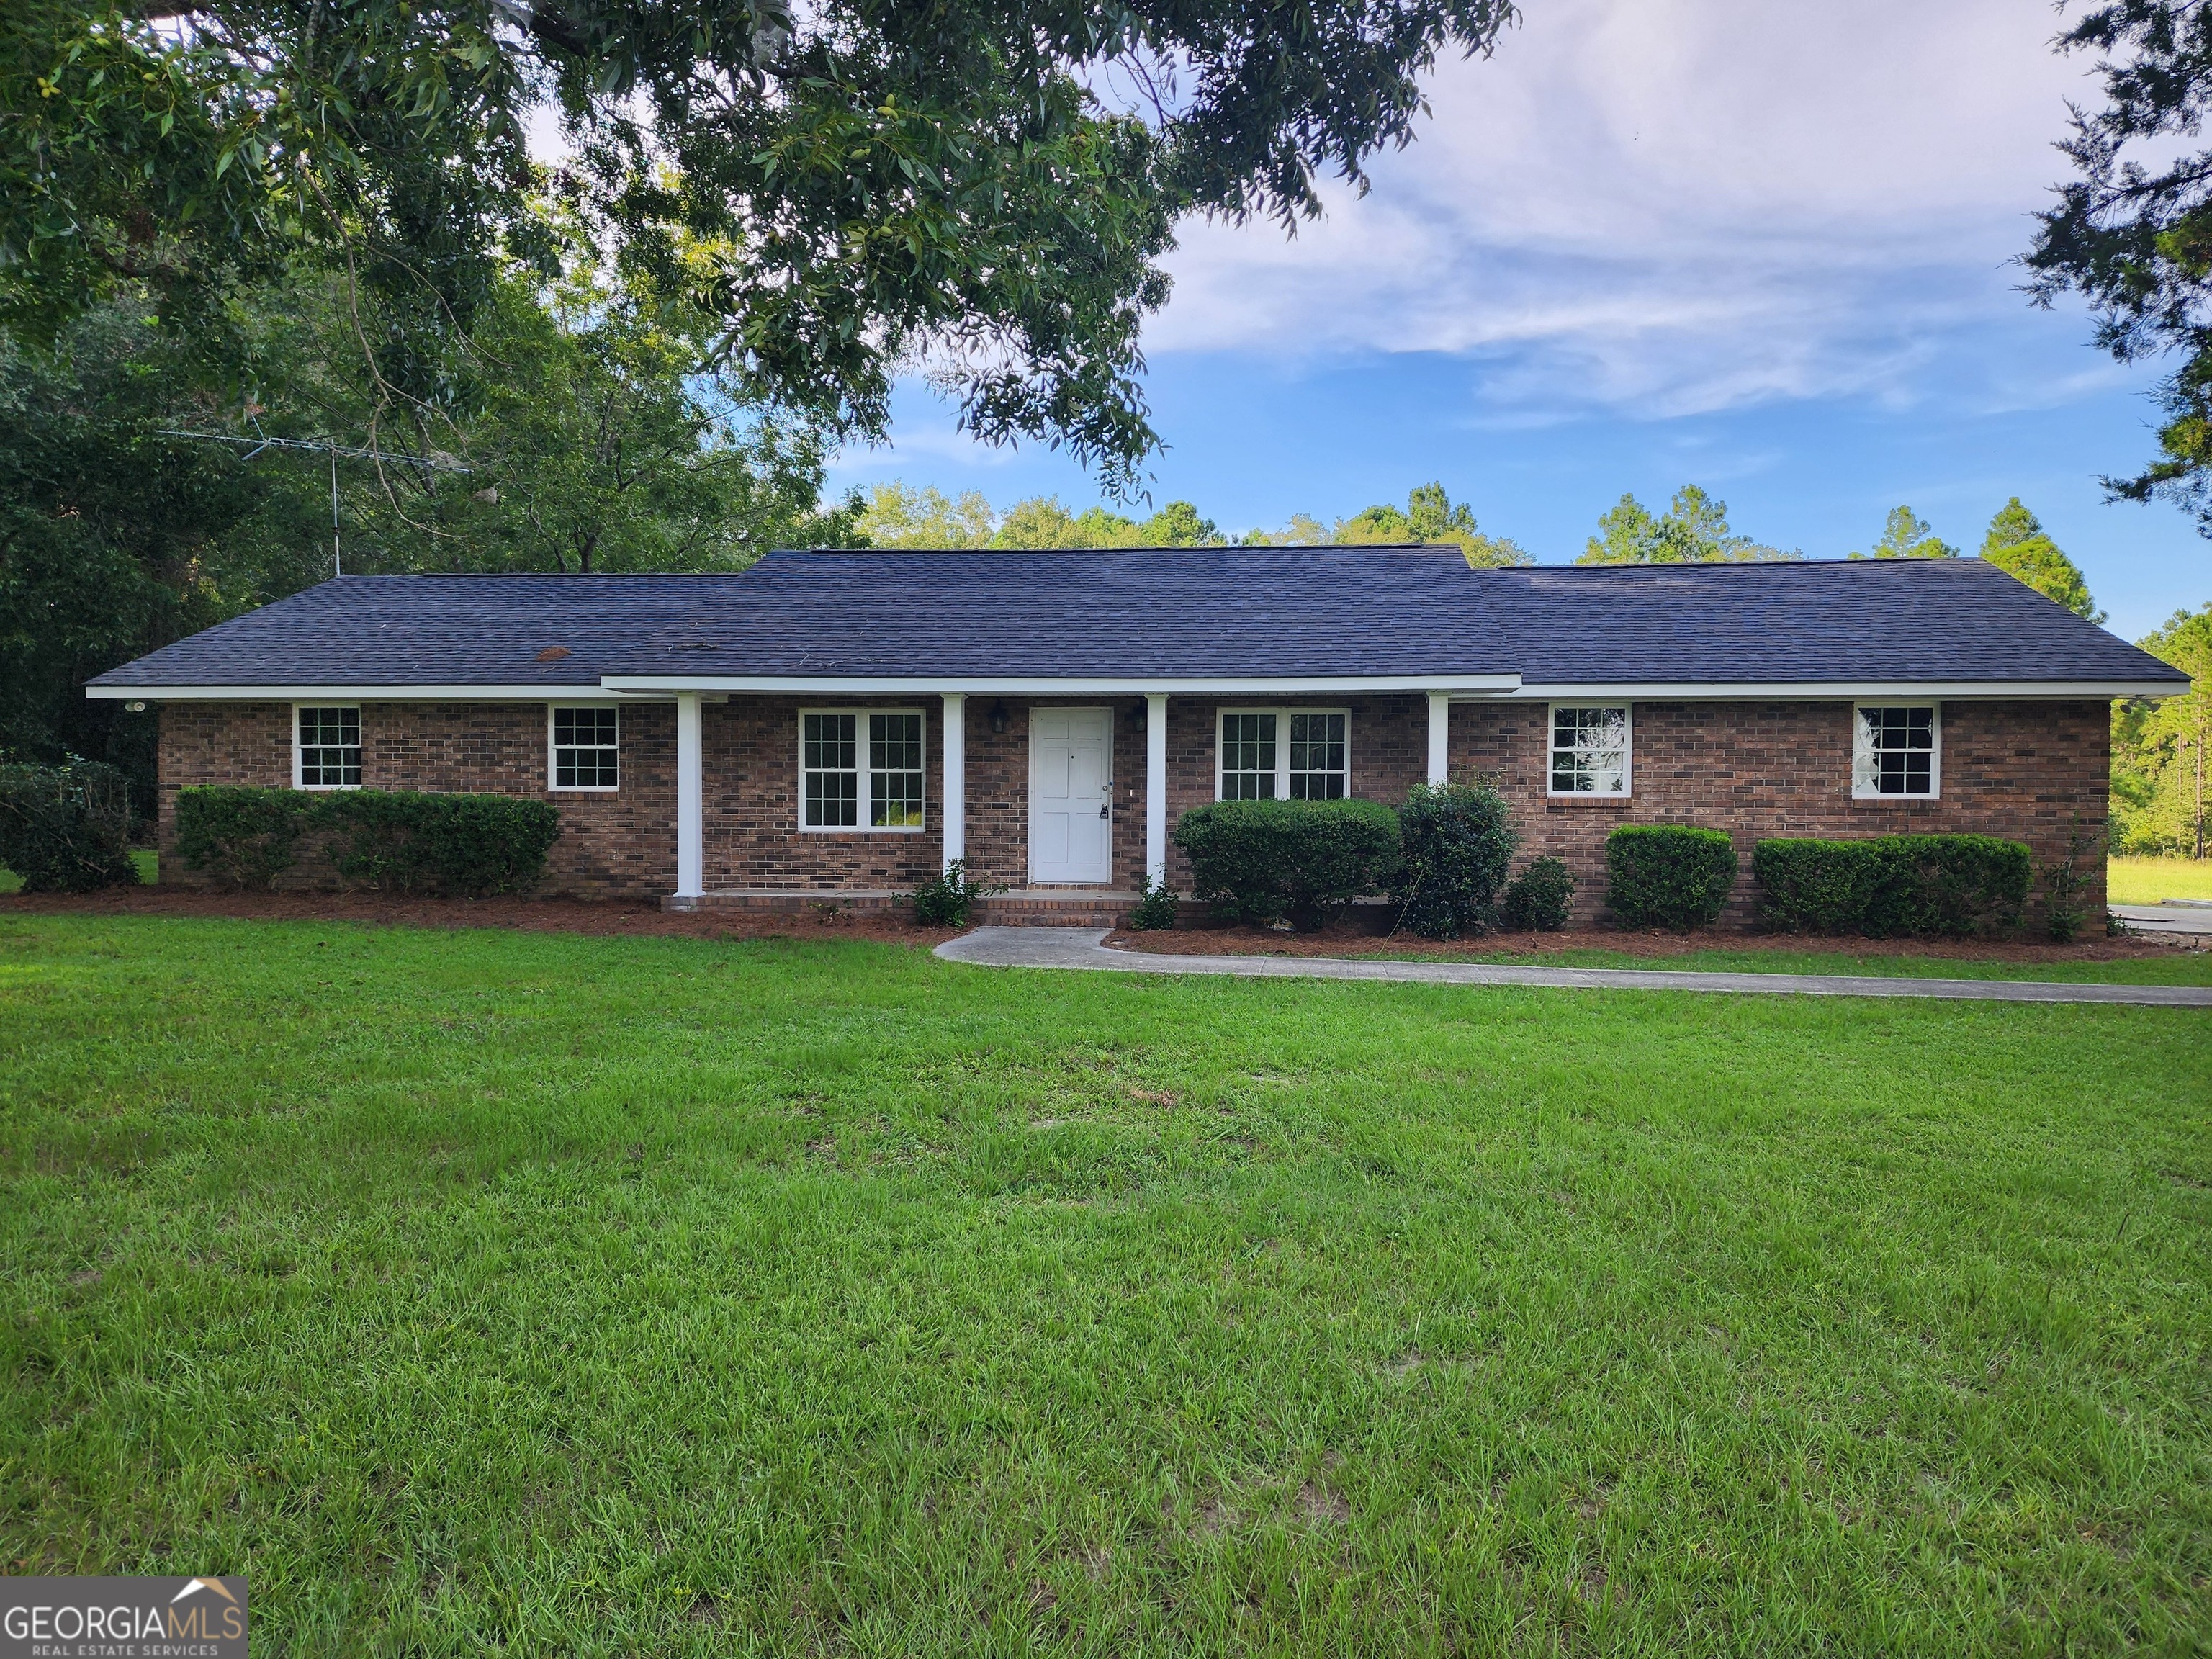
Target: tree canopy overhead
x,y
979,188
2132,233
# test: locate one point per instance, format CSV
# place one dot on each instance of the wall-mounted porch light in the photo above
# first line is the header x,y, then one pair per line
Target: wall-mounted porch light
x,y
999,717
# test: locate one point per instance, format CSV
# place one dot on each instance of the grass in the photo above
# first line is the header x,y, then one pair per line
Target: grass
x,y
532,1294
146,857
2149,881
2166,967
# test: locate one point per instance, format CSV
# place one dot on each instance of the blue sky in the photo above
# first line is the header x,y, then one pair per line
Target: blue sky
x,y
1760,248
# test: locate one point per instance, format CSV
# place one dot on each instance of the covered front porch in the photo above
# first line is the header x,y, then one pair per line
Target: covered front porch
x,y
840,796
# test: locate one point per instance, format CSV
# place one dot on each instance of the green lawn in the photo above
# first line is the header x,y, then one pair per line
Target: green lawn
x,y
2165,967
2149,881
537,1294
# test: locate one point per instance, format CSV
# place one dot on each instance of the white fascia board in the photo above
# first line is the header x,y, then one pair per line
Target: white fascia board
x,y
586,693
1470,685
1847,691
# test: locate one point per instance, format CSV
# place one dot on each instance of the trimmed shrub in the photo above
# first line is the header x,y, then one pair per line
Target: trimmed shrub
x,y
1155,908
1890,886
393,840
1260,860
467,846
1459,842
66,829
242,837
1668,875
946,899
1537,900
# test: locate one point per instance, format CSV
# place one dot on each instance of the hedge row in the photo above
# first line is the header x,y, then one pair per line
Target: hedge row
x,y
393,841
1886,886
1443,857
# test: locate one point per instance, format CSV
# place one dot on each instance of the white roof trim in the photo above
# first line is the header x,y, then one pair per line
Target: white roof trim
x,y
1472,686
1841,690
571,693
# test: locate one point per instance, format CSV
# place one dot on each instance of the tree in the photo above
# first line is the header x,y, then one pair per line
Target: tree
x,y
2159,749
850,189
1429,515
2018,545
1906,534
115,540
1179,525
896,514
1693,530
2133,233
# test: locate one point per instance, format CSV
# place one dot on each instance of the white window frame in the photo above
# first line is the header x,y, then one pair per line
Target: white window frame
x,y
1935,708
865,810
553,750
1627,789
1282,712
360,731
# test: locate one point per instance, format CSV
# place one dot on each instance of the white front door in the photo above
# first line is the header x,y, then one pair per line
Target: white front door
x,y
1071,795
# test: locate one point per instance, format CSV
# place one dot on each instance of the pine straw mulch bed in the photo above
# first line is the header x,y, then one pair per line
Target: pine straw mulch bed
x,y
1252,940
553,916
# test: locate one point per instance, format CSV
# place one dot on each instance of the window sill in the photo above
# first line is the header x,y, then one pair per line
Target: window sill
x,y
1896,800
861,830
1587,798
583,789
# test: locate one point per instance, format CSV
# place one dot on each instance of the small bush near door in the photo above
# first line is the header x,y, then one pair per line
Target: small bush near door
x,y
1537,900
1261,860
1668,875
1889,886
1459,841
945,900
66,829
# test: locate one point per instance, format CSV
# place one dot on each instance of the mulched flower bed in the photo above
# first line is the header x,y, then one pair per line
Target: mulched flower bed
x,y
1343,942
555,915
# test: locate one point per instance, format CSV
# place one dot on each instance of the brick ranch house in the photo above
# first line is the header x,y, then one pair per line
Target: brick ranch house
x,y
840,725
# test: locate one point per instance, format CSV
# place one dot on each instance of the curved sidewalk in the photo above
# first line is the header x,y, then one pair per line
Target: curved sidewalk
x,y
1081,947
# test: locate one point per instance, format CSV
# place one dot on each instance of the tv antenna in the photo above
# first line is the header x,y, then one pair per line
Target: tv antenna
x,y
325,446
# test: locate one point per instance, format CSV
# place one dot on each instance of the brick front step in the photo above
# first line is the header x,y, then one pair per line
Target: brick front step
x,y
1022,906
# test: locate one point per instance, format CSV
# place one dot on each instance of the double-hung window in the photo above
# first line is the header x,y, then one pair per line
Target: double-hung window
x,y
860,768
325,748
1897,750
1590,750
586,747
1284,754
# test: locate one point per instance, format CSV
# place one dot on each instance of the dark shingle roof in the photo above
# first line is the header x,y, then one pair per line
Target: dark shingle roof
x,y
1193,613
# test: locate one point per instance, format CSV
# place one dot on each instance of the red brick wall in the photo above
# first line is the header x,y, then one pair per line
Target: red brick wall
x,y
623,842
2024,770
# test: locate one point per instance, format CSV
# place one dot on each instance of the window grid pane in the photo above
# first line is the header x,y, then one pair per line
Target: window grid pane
x,y
1317,768
1589,751
1248,757
831,768
584,749
894,771
1898,751
329,748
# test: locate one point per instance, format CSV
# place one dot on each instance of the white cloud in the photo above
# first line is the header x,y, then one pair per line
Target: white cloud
x,y
1672,206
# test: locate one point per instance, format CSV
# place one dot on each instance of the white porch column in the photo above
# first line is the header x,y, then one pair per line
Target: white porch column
x,y
955,777
1439,737
1155,786
690,817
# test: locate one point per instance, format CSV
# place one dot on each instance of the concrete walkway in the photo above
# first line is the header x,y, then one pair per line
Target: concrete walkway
x,y
1079,947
